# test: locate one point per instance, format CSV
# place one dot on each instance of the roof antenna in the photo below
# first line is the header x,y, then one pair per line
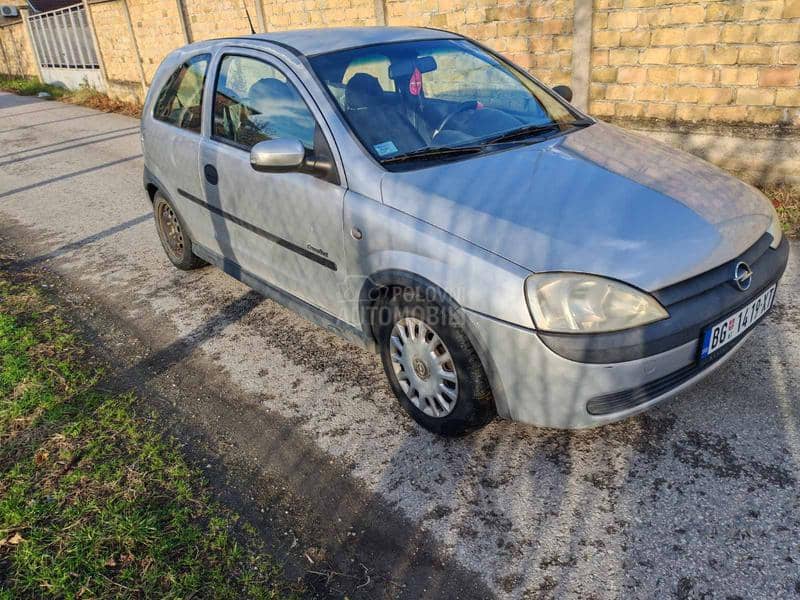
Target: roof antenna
x,y
244,6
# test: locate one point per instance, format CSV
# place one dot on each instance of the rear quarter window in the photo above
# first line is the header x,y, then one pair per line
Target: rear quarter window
x,y
180,101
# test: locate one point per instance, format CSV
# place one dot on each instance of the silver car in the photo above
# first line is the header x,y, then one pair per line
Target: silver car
x,y
415,192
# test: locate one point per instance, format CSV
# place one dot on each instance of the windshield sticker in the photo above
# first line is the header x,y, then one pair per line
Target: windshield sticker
x,y
385,148
415,83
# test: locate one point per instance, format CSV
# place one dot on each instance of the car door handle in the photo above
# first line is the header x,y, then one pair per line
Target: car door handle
x,y
212,176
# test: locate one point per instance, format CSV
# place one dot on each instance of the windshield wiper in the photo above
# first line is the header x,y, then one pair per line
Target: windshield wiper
x,y
435,152
527,131
531,130
443,151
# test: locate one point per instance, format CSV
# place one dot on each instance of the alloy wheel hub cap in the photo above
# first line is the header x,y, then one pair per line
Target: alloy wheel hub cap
x,y
424,367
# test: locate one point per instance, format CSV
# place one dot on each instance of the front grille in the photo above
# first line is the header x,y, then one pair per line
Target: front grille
x,y
719,277
627,399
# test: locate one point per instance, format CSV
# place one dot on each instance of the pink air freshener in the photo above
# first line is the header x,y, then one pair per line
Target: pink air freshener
x,y
415,83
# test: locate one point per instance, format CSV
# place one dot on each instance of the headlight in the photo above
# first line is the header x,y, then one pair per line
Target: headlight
x,y
775,230
577,303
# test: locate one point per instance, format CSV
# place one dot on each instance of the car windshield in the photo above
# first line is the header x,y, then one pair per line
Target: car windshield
x,y
433,97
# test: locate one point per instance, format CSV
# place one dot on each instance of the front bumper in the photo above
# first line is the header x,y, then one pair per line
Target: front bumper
x,y
533,383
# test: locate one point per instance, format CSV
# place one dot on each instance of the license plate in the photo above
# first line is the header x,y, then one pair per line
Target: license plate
x,y
720,334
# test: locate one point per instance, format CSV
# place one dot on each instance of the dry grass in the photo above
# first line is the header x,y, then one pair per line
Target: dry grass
x,y
83,96
86,96
786,199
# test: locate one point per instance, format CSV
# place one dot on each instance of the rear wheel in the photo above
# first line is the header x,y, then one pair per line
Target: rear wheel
x,y
173,235
432,367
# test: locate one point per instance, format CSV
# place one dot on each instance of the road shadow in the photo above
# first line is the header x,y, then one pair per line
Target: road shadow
x,y
92,169
58,106
9,100
68,141
78,244
66,148
62,120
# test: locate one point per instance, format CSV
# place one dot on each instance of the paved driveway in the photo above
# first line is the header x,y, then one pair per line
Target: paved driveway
x,y
697,498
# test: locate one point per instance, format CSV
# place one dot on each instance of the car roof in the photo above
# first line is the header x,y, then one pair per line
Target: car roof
x,y
317,41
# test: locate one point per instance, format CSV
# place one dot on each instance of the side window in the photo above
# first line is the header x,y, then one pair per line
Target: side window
x,y
180,102
254,101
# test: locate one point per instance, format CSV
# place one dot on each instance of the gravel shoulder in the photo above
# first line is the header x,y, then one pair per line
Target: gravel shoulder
x,y
696,498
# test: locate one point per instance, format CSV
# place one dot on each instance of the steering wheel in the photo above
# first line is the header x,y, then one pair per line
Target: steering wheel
x,y
462,107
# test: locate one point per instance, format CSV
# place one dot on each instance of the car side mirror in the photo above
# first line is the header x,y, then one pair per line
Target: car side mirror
x,y
564,91
278,156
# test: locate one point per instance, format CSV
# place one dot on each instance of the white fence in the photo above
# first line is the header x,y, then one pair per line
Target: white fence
x,y
62,39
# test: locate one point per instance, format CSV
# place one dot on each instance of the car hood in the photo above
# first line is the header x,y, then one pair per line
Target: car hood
x,y
599,200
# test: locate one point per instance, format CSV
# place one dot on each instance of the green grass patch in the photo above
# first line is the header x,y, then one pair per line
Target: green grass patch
x,y
29,86
93,502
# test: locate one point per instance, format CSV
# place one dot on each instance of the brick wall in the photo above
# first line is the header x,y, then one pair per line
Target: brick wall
x,y
535,35
725,61
208,19
116,46
157,26
686,61
299,14
16,54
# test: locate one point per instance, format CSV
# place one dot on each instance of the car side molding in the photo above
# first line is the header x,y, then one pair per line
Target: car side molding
x,y
313,313
304,252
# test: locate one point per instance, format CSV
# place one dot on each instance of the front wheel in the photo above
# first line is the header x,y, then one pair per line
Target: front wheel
x,y
432,367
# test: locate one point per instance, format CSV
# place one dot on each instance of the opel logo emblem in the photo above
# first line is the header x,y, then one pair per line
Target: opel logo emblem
x,y
742,276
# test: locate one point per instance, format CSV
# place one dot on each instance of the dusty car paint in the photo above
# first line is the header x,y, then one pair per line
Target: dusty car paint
x,y
597,200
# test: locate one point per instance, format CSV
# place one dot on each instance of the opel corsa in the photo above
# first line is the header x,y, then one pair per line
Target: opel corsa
x,y
417,193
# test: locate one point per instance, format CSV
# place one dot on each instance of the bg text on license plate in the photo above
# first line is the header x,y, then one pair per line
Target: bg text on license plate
x,y
726,331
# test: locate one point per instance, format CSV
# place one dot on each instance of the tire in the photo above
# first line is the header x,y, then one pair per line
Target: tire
x,y
173,235
416,316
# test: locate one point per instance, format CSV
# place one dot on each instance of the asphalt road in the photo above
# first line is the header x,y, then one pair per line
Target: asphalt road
x,y
696,498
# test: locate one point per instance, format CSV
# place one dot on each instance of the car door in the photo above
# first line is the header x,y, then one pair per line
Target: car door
x,y
284,228
171,137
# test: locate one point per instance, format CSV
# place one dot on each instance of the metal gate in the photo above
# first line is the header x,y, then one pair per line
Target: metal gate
x,y
62,39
